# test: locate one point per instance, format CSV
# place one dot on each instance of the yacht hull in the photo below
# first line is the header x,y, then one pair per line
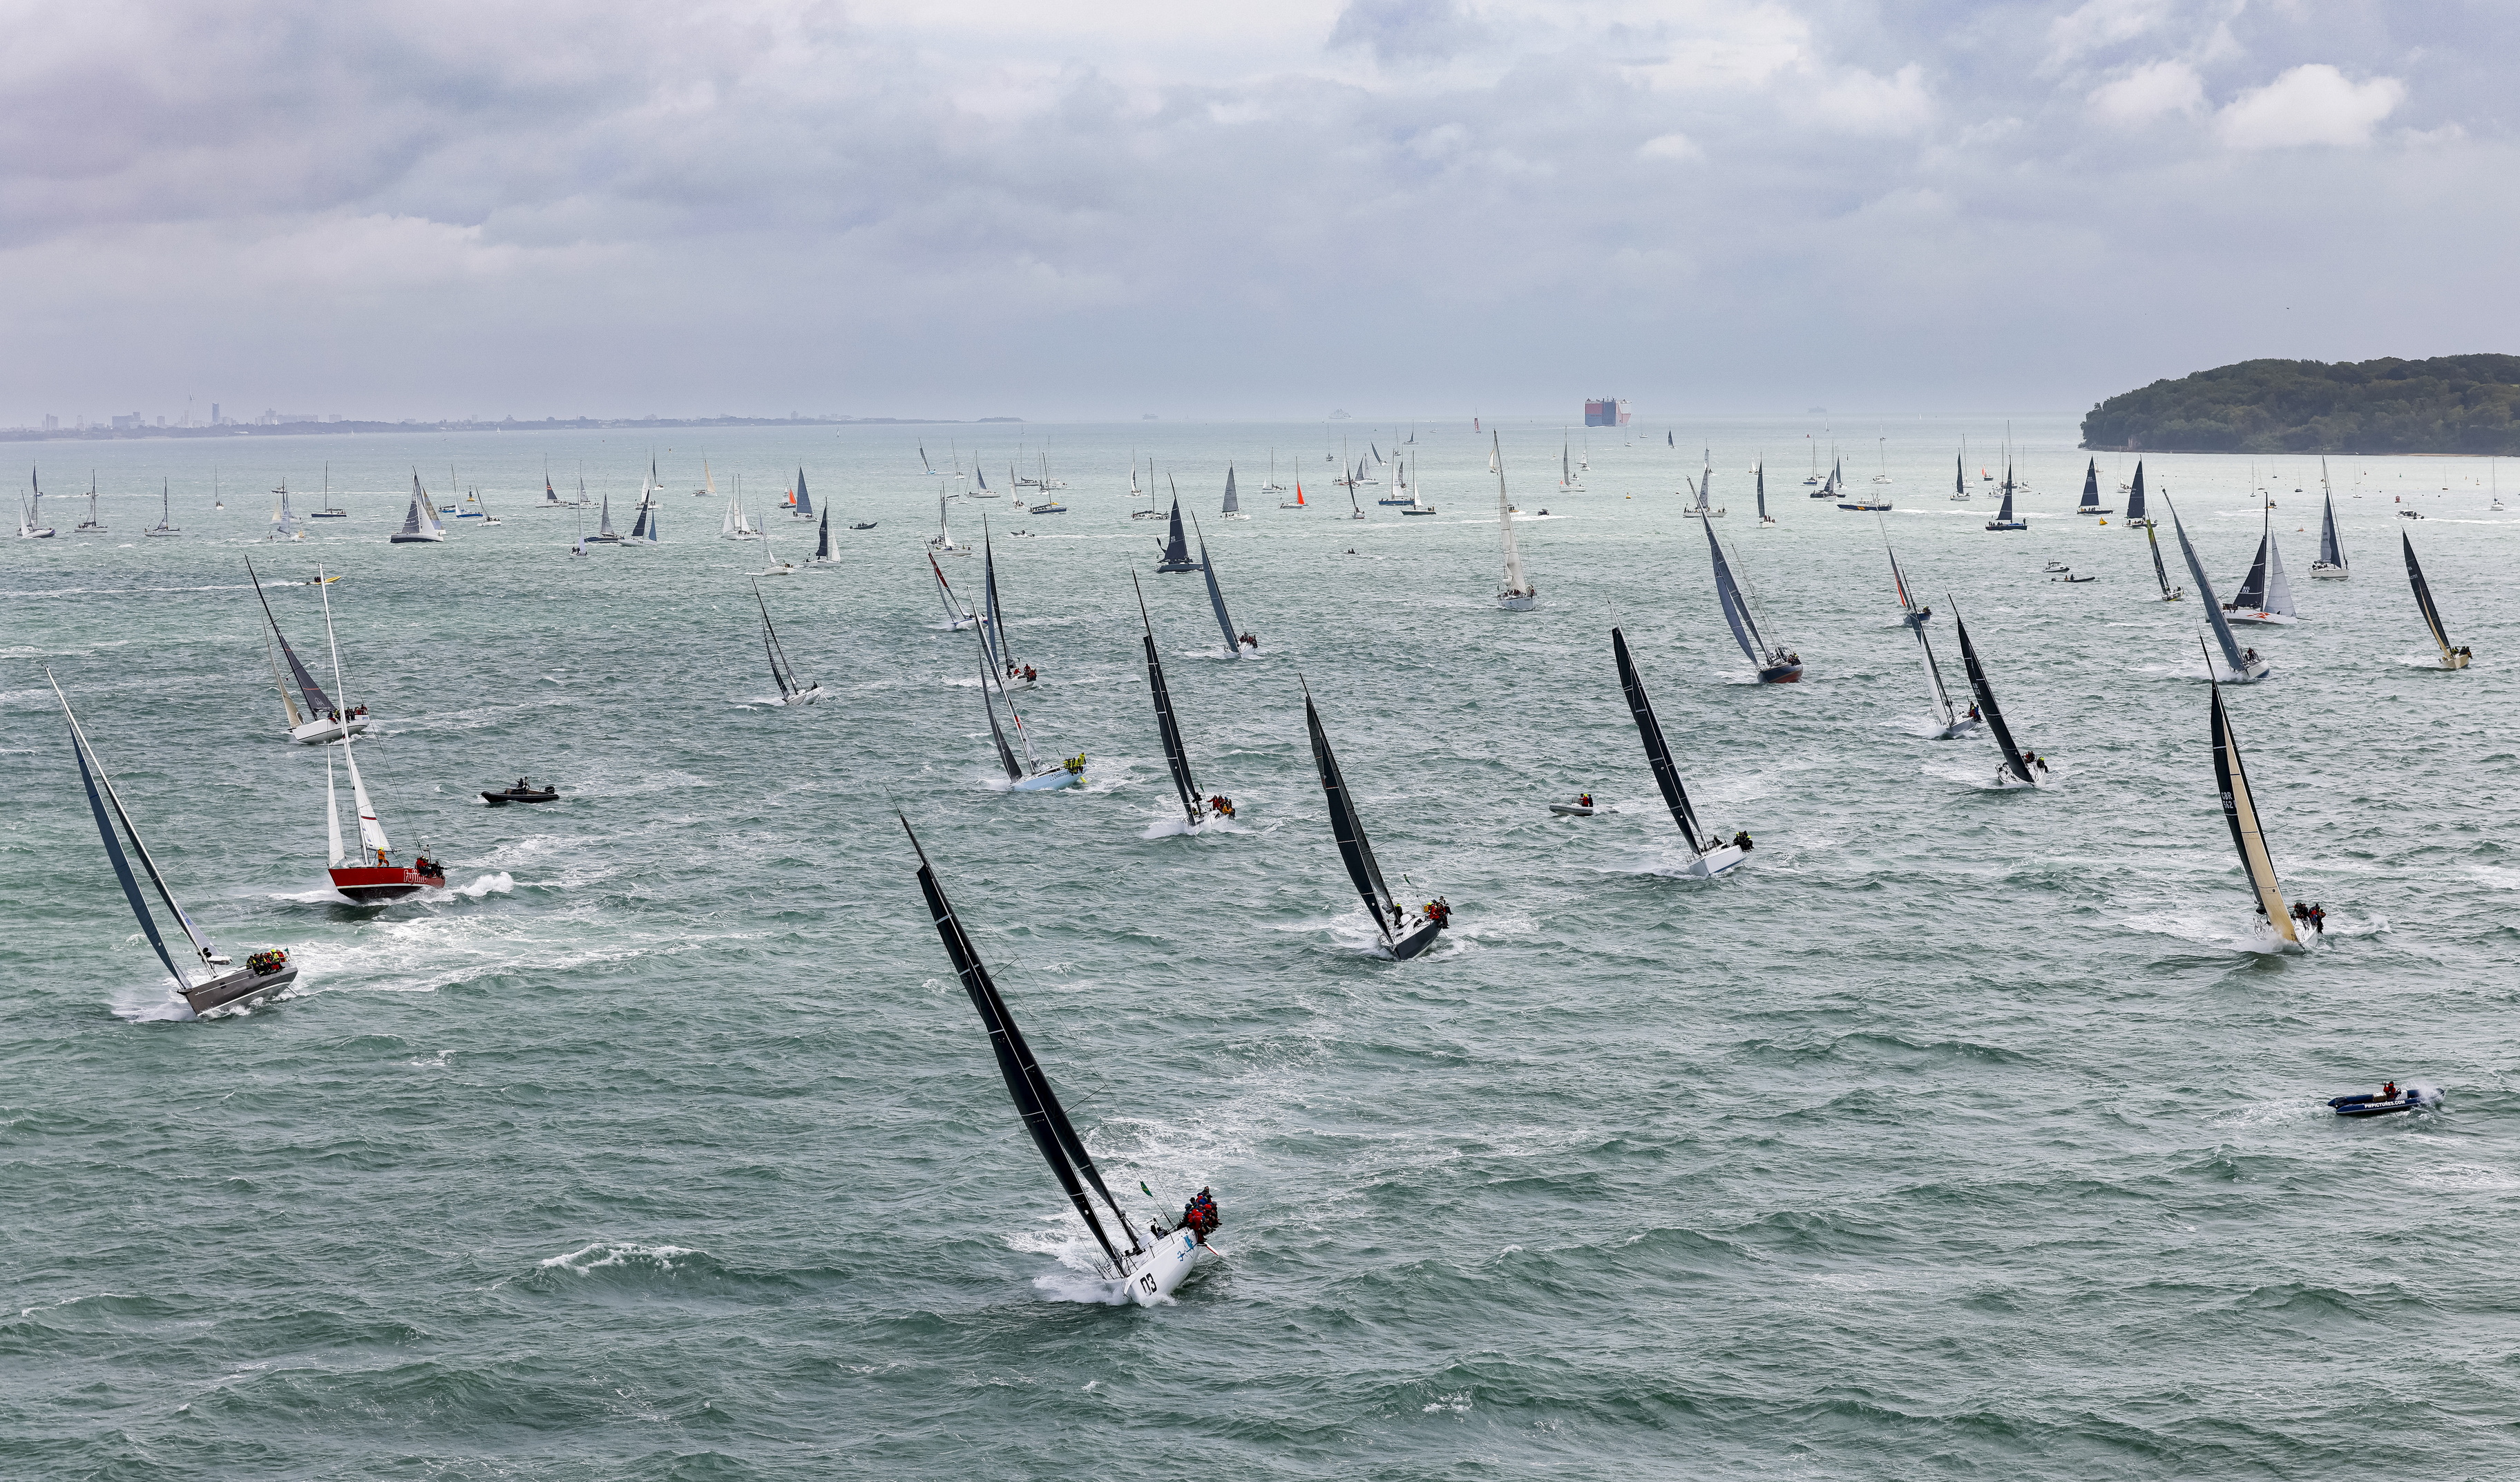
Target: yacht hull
x,y
1714,862
1780,674
1416,940
1046,782
320,732
1155,1275
238,988
374,884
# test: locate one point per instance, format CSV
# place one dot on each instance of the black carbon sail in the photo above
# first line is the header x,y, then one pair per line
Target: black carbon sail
x,y
318,704
1176,556
1175,755
1035,1102
1986,706
823,547
779,670
2251,596
1216,597
2241,811
2332,551
2135,496
2092,488
1348,831
2425,599
2231,645
1657,751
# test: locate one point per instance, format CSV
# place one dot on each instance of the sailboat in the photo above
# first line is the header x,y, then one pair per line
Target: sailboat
x,y
2265,596
90,525
1028,775
708,479
2003,519
605,534
1149,1274
734,524
801,504
2090,503
648,529
1176,547
551,496
957,617
1759,472
30,515
1703,487
166,524
1147,493
1960,475
823,556
1884,476
1412,504
2014,771
421,525
318,720
1709,855
942,542
981,475
791,689
1194,810
1776,665
1949,721
1298,503
332,510
2245,665
384,880
2152,536
1518,593
284,519
1567,483
265,973
1233,500
2330,565
2450,657
1233,638
993,617
1273,486
1404,934
2241,811
1355,511
773,565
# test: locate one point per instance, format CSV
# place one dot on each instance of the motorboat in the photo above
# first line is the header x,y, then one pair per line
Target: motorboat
x,y
525,791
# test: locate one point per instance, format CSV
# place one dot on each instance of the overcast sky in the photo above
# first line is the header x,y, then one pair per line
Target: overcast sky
x,y
1059,209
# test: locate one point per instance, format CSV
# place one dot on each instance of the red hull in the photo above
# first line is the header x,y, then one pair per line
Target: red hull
x,y
383,882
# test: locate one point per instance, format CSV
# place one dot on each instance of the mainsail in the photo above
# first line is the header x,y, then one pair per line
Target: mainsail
x,y
822,547
1176,556
318,704
1761,471
1518,582
1176,757
1914,619
2134,502
1657,751
2091,486
1232,501
1216,598
805,501
1348,831
1986,705
1736,609
2425,599
92,776
2251,596
2241,811
993,617
780,669
2331,551
1035,1102
2204,589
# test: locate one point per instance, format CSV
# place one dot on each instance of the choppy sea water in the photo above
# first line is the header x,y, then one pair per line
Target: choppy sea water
x,y
1957,1136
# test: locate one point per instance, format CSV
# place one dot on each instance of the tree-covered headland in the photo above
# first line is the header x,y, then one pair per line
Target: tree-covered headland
x,y
2447,404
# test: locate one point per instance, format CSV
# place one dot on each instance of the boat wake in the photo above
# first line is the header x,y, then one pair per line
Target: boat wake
x,y
152,1005
1078,1278
1174,826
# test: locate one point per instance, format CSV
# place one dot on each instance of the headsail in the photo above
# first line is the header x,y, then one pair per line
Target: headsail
x,y
993,617
992,687
2135,495
2424,597
1175,755
1986,705
1216,598
1035,1102
371,829
1657,753
2332,551
318,703
92,776
805,501
1736,609
1176,556
1347,830
2241,811
779,670
2251,596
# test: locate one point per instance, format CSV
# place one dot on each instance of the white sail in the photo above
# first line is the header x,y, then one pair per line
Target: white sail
x,y
372,833
2278,589
332,816
1518,595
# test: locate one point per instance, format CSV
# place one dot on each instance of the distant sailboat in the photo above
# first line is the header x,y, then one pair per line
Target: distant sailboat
x,y
1960,474
1759,472
801,504
2153,537
421,525
92,525
1234,640
332,510
1176,546
1703,486
957,617
772,564
1709,855
735,524
2015,769
2240,812
1404,934
2330,565
648,528
1148,1274
2245,665
370,885
823,556
1776,665
166,524
2451,658
2003,519
2265,596
942,542
1194,808
2090,503
1518,593
265,973
1949,721
1233,500
605,534
284,519
320,719
791,689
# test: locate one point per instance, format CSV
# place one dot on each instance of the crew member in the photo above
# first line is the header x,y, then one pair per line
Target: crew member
x,y
1583,800
2389,1093
1741,841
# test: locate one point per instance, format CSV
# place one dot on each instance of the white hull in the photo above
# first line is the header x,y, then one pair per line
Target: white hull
x,y
805,696
1155,1275
2321,570
1956,729
1572,810
2260,619
1516,602
1047,782
780,570
320,732
1714,862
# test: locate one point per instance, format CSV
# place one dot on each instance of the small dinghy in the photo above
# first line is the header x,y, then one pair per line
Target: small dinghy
x,y
2069,576
525,791
2390,1099
264,972
2055,566
1582,807
863,524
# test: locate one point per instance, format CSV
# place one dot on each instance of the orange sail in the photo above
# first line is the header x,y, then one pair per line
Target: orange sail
x,y
1299,493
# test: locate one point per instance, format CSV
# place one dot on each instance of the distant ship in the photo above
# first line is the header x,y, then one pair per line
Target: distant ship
x,y
1607,411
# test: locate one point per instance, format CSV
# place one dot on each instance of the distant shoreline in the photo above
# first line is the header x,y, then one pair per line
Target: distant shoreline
x,y
506,425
